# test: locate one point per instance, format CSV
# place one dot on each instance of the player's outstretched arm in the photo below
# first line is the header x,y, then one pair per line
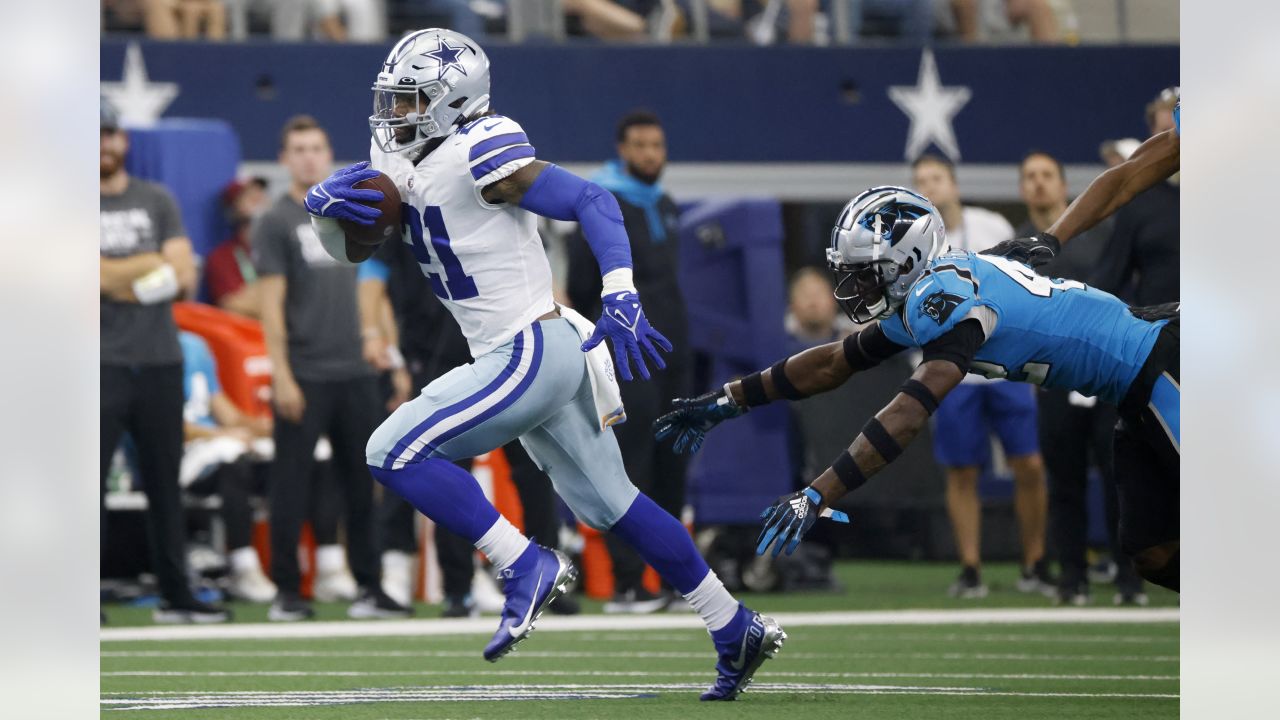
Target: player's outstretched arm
x,y
1154,161
553,192
880,442
811,372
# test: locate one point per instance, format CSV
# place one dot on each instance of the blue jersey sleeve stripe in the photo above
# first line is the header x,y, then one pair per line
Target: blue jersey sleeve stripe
x,y
488,145
502,158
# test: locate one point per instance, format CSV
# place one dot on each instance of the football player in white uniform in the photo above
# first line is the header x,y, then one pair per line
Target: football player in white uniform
x,y
471,185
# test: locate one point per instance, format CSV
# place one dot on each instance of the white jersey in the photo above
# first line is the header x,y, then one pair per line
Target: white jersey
x,y
484,261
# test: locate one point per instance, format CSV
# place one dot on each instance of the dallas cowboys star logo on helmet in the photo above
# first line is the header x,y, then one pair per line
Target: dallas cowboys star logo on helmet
x,y
448,58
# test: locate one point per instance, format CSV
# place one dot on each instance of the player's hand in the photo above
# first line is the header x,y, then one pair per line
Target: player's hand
x,y
288,398
401,388
788,519
1034,251
337,199
691,418
624,323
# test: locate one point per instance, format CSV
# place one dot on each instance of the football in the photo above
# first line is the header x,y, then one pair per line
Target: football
x,y
388,224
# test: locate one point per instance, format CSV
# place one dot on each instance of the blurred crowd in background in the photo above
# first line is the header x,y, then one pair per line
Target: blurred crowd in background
x,y
762,22
198,487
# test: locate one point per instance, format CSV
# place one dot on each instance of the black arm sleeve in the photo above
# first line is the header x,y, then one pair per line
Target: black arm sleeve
x,y
958,345
868,348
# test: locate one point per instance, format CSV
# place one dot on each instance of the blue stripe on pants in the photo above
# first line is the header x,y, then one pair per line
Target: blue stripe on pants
x,y
517,357
1166,404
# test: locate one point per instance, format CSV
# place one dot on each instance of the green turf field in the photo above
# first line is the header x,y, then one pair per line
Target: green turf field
x,y
831,665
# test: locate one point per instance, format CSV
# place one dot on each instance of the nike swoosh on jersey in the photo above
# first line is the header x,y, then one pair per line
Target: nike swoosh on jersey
x,y
487,128
920,290
517,630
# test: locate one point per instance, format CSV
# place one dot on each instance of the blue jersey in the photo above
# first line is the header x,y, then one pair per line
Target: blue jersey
x,y
1056,333
199,380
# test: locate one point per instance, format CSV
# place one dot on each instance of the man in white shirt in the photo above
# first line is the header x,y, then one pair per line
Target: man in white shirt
x,y
979,407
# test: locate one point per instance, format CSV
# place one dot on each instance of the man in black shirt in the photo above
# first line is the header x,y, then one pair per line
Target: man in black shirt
x,y
1144,247
652,220
146,262
1073,427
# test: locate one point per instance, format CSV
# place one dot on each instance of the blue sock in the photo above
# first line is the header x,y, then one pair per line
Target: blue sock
x,y
443,492
663,543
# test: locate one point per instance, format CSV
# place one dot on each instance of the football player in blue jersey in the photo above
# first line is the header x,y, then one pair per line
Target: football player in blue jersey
x,y
969,313
1155,160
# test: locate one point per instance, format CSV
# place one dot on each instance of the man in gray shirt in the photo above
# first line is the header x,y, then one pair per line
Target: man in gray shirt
x,y
146,262
320,381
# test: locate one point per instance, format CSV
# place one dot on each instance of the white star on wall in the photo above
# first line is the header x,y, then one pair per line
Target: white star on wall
x,y
930,106
139,101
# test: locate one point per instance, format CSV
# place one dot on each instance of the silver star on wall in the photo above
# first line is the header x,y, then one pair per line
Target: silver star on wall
x,y
930,107
139,101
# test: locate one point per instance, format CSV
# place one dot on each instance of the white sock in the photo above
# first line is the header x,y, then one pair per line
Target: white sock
x,y
716,606
503,544
245,559
330,559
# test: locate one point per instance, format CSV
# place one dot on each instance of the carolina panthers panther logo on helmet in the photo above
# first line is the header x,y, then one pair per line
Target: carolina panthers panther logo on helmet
x,y
940,305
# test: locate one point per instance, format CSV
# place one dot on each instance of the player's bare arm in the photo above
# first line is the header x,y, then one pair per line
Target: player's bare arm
x,y
902,419
511,189
116,275
1154,161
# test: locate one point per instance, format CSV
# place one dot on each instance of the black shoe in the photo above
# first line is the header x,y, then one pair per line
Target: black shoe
x,y
460,606
567,604
968,585
1131,599
189,611
1036,579
635,602
290,607
1075,594
373,603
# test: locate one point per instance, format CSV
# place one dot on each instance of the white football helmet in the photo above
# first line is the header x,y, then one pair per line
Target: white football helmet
x,y
431,81
882,242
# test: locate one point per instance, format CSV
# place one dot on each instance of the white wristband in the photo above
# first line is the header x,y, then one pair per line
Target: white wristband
x,y
396,359
616,281
159,285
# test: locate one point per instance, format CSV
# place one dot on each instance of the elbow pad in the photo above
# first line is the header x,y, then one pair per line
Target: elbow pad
x,y
560,195
867,348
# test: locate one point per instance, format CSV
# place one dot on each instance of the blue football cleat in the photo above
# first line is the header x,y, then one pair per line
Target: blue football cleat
x,y
528,595
743,645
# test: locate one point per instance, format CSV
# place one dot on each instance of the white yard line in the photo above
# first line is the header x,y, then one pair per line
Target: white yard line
x,y
485,626
626,674
625,654
169,700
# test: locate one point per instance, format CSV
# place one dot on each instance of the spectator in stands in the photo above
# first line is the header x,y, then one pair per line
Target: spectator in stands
x,y
1073,429
909,20
217,460
320,382
652,220
459,15
1141,261
1114,152
978,406
185,19
1038,15
228,273
351,20
431,345
146,262
812,316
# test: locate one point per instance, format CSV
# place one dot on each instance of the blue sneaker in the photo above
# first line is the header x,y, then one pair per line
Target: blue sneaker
x,y
744,644
528,595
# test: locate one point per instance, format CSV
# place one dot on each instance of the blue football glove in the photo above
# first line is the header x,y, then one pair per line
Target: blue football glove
x,y
624,323
335,197
691,418
787,520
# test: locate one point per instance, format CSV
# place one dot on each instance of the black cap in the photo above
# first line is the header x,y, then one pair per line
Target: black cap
x,y
109,119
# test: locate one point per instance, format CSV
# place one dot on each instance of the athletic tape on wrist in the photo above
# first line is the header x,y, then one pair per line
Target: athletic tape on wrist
x,y
782,383
848,471
881,440
921,392
753,390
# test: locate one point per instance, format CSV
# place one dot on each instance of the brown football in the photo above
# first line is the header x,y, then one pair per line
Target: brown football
x,y
388,223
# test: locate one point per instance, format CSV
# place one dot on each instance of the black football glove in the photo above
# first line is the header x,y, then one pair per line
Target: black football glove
x,y
691,418
1034,251
788,519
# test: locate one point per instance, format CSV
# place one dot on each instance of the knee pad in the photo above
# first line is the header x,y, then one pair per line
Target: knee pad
x,y
380,445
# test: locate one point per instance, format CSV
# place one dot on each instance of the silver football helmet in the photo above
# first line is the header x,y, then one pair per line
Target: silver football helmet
x,y
431,80
882,242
